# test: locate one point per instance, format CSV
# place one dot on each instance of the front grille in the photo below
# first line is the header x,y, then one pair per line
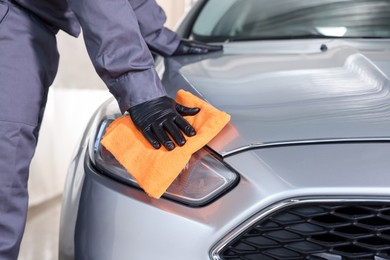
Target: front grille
x,y
317,231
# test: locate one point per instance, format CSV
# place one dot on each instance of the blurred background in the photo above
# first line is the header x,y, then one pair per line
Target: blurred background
x,y
75,94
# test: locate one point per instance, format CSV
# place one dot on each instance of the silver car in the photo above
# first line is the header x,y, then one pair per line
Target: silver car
x,y
302,171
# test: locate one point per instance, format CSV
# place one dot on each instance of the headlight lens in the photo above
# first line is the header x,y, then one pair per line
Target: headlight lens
x,y
204,178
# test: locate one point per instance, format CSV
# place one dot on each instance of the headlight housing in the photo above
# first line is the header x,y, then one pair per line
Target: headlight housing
x,y
204,178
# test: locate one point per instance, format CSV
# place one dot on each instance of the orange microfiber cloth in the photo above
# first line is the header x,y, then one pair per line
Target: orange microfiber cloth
x,y
155,170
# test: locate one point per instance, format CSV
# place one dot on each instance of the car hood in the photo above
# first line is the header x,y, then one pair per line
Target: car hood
x,y
291,92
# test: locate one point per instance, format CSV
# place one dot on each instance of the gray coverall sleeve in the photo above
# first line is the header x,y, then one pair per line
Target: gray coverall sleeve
x,y
151,19
118,50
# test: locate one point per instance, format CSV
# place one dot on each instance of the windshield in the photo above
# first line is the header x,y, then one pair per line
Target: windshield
x,y
222,20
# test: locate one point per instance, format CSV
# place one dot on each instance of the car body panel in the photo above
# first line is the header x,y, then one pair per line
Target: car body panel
x,y
300,95
108,227
269,174
115,221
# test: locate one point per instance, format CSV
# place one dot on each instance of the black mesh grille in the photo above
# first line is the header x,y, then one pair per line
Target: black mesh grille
x,y
320,231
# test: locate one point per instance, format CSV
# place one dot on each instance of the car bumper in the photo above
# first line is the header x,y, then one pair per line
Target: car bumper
x,y
111,220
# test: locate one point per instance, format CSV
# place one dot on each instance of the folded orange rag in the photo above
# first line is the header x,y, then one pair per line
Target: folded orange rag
x,y
155,170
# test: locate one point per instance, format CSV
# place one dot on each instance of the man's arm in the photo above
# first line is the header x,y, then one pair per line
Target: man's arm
x,y
161,40
151,18
124,62
118,50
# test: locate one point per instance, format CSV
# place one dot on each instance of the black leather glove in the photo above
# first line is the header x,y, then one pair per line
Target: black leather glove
x,y
157,117
194,47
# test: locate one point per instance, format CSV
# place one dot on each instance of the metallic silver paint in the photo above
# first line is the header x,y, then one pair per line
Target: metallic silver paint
x,y
305,124
116,221
292,97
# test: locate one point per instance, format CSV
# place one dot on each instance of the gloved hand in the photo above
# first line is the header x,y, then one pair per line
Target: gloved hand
x,y
157,117
194,47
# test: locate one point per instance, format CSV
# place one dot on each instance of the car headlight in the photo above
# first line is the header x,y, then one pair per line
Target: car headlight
x,y
204,178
